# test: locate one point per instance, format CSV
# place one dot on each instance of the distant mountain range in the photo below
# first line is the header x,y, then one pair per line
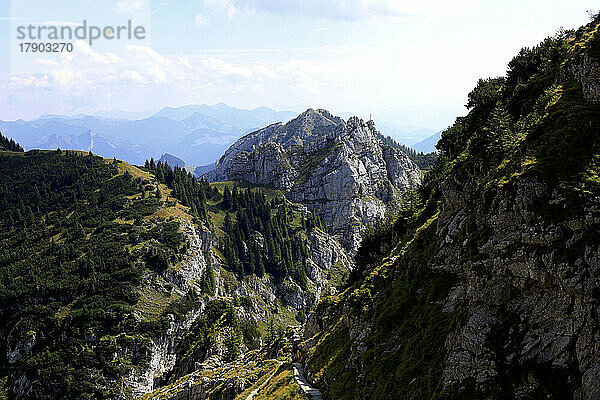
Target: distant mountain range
x,y
195,134
427,145
198,134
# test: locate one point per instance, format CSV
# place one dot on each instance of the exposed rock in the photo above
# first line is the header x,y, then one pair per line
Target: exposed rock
x,y
18,348
337,168
161,354
217,380
587,73
326,257
523,303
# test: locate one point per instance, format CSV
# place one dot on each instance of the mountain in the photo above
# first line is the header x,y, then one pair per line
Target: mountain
x,y
7,144
203,169
115,113
245,119
172,160
427,145
337,168
490,289
198,134
404,134
151,272
423,161
318,256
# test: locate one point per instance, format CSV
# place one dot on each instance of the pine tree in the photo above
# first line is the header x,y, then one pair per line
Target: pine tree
x,y
208,284
271,333
232,345
227,198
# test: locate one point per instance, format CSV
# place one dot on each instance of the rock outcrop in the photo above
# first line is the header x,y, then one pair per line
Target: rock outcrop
x,y
337,168
327,259
528,297
494,292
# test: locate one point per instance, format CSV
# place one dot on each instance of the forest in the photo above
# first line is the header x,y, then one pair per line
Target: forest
x,y
260,235
67,275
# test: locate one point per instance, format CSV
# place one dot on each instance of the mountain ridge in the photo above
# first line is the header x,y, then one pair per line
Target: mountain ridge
x,y
340,169
199,137
170,281
486,290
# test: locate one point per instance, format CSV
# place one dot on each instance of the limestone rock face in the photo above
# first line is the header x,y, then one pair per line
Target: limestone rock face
x,y
527,299
340,169
587,73
326,258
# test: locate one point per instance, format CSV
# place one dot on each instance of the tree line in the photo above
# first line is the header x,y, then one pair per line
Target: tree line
x,y
9,144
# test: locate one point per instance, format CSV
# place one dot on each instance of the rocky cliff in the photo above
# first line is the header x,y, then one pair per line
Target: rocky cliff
x,y
327,262
337,168
491,290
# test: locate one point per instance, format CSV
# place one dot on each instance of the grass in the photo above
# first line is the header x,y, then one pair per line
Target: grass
x,y
154,298
281,386
337,275
400,301
170,208
4,388
310,163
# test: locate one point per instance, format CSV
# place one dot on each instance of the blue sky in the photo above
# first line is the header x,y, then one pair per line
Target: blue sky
x,y
405,62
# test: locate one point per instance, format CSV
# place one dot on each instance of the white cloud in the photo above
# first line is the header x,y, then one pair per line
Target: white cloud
x,y
92,56
131,6
56,23
199,20
144,54
143,74
230,8
131,75
222,69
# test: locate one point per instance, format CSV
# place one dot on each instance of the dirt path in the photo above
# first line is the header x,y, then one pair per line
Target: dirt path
x,y
256,390
315,394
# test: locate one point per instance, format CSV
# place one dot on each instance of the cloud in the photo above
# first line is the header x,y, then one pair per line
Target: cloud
x,y
151,79
88,71
340,9
133,76
230,8
131,6
94,57
142,77
144,54
221,69
56,23
199,20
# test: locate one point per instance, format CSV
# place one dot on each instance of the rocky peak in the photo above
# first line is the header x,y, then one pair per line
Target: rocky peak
x,y
338,168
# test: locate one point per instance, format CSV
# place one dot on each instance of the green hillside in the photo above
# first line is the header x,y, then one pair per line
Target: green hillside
x,y
85,246
68,271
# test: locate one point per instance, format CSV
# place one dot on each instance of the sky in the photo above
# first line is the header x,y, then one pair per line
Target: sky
x,y
404,62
